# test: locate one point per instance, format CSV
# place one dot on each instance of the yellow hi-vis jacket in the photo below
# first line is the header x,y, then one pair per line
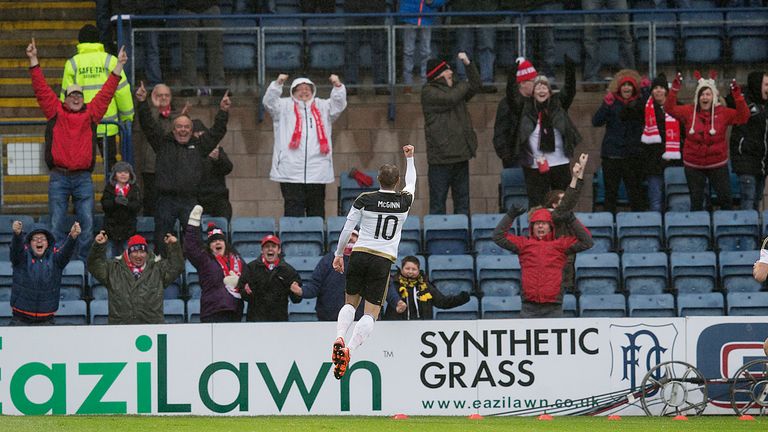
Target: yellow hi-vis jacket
x,y
90,69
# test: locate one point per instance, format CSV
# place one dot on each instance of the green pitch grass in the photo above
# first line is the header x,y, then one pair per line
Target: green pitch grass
x,y
372,424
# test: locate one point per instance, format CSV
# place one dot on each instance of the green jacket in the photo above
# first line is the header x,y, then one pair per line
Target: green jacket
x,y
447,125
90,69
131,300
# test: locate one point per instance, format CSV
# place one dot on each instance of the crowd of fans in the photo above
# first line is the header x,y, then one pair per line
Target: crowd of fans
x,y
184,171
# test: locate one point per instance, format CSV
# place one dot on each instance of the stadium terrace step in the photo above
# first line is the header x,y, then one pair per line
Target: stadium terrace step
x,y
55,48
46,10
41,25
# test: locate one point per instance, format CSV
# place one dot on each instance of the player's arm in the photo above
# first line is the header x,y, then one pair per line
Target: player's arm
x,y
410,170
353,219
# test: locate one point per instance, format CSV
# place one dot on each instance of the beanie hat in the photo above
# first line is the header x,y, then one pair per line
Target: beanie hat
x,y
435,67
660,81
525,70
88,33
701,86
136,243
215,233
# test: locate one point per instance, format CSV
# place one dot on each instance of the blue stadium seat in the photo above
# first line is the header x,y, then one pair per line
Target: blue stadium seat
x,y
283,44
748,303
736,230
570,308
736,271
5,313
606,306
219,221
446,234
597,273
666,36
651,305
71,312
96,290
6,274
145,227
749,39
194,290
349,189
482,234
302,311
688,231
6,227
568,39
702,34
498,276
452,274
645,273
193,311
512,190
247,233
5,294
678,197
304,265
521,225
326,43
600,225
73,281
99,312
639,231
467,311
495,307
5,253
706,304
333,227
239,47
287,6
410,236
173,311
302,236
693,272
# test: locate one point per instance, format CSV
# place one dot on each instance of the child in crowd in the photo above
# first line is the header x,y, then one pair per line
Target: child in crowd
x,y
121,202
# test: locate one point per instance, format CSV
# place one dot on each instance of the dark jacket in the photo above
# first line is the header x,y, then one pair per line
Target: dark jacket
x,y
447,125
749,143
215,297
624,123
421,296
120,217
37,281
360,6
474,6
179,167
510,110
270,290
542,261
560,121
213,183
131,300
327,285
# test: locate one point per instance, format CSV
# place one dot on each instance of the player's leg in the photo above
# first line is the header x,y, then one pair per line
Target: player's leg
x,y
347,314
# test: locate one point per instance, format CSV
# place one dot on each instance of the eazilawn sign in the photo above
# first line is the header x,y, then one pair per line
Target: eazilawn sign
x,y
424,368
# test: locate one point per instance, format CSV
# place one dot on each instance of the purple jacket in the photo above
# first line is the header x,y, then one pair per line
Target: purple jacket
x,y
215,297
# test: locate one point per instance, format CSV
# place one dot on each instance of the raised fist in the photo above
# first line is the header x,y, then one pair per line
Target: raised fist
x,y
226,102
677,83
101,237
334,79
463,57
17,227
408,150
282,78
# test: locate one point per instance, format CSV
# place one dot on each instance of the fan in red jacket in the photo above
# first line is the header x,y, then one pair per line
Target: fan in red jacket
x,y
705,154
542,258
70,140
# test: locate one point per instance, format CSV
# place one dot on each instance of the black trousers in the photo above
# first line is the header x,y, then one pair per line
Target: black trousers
x,y
216,205
538,184
697,184
631,171
150,195
303,199
171,208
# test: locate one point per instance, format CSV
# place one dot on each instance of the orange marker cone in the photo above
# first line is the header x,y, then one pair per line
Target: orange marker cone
x,y
680,417
475,417
614,417
400,417
747,417
545,417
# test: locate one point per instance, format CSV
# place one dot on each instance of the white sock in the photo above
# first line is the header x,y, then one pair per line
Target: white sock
x,y
346,318
360,333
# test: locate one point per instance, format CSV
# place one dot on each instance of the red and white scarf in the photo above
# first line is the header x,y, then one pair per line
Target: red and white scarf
x,y
234,264
322,138
671,131
270,265
135,271
122,190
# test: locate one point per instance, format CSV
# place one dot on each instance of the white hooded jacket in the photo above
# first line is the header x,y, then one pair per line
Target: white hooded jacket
x,y
305,164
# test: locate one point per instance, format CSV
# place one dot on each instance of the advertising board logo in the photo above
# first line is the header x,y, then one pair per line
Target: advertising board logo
x,y
722,349
637,349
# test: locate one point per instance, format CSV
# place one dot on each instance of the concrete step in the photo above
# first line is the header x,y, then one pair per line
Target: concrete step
x,y
43,25
16,111
22,87
46,48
